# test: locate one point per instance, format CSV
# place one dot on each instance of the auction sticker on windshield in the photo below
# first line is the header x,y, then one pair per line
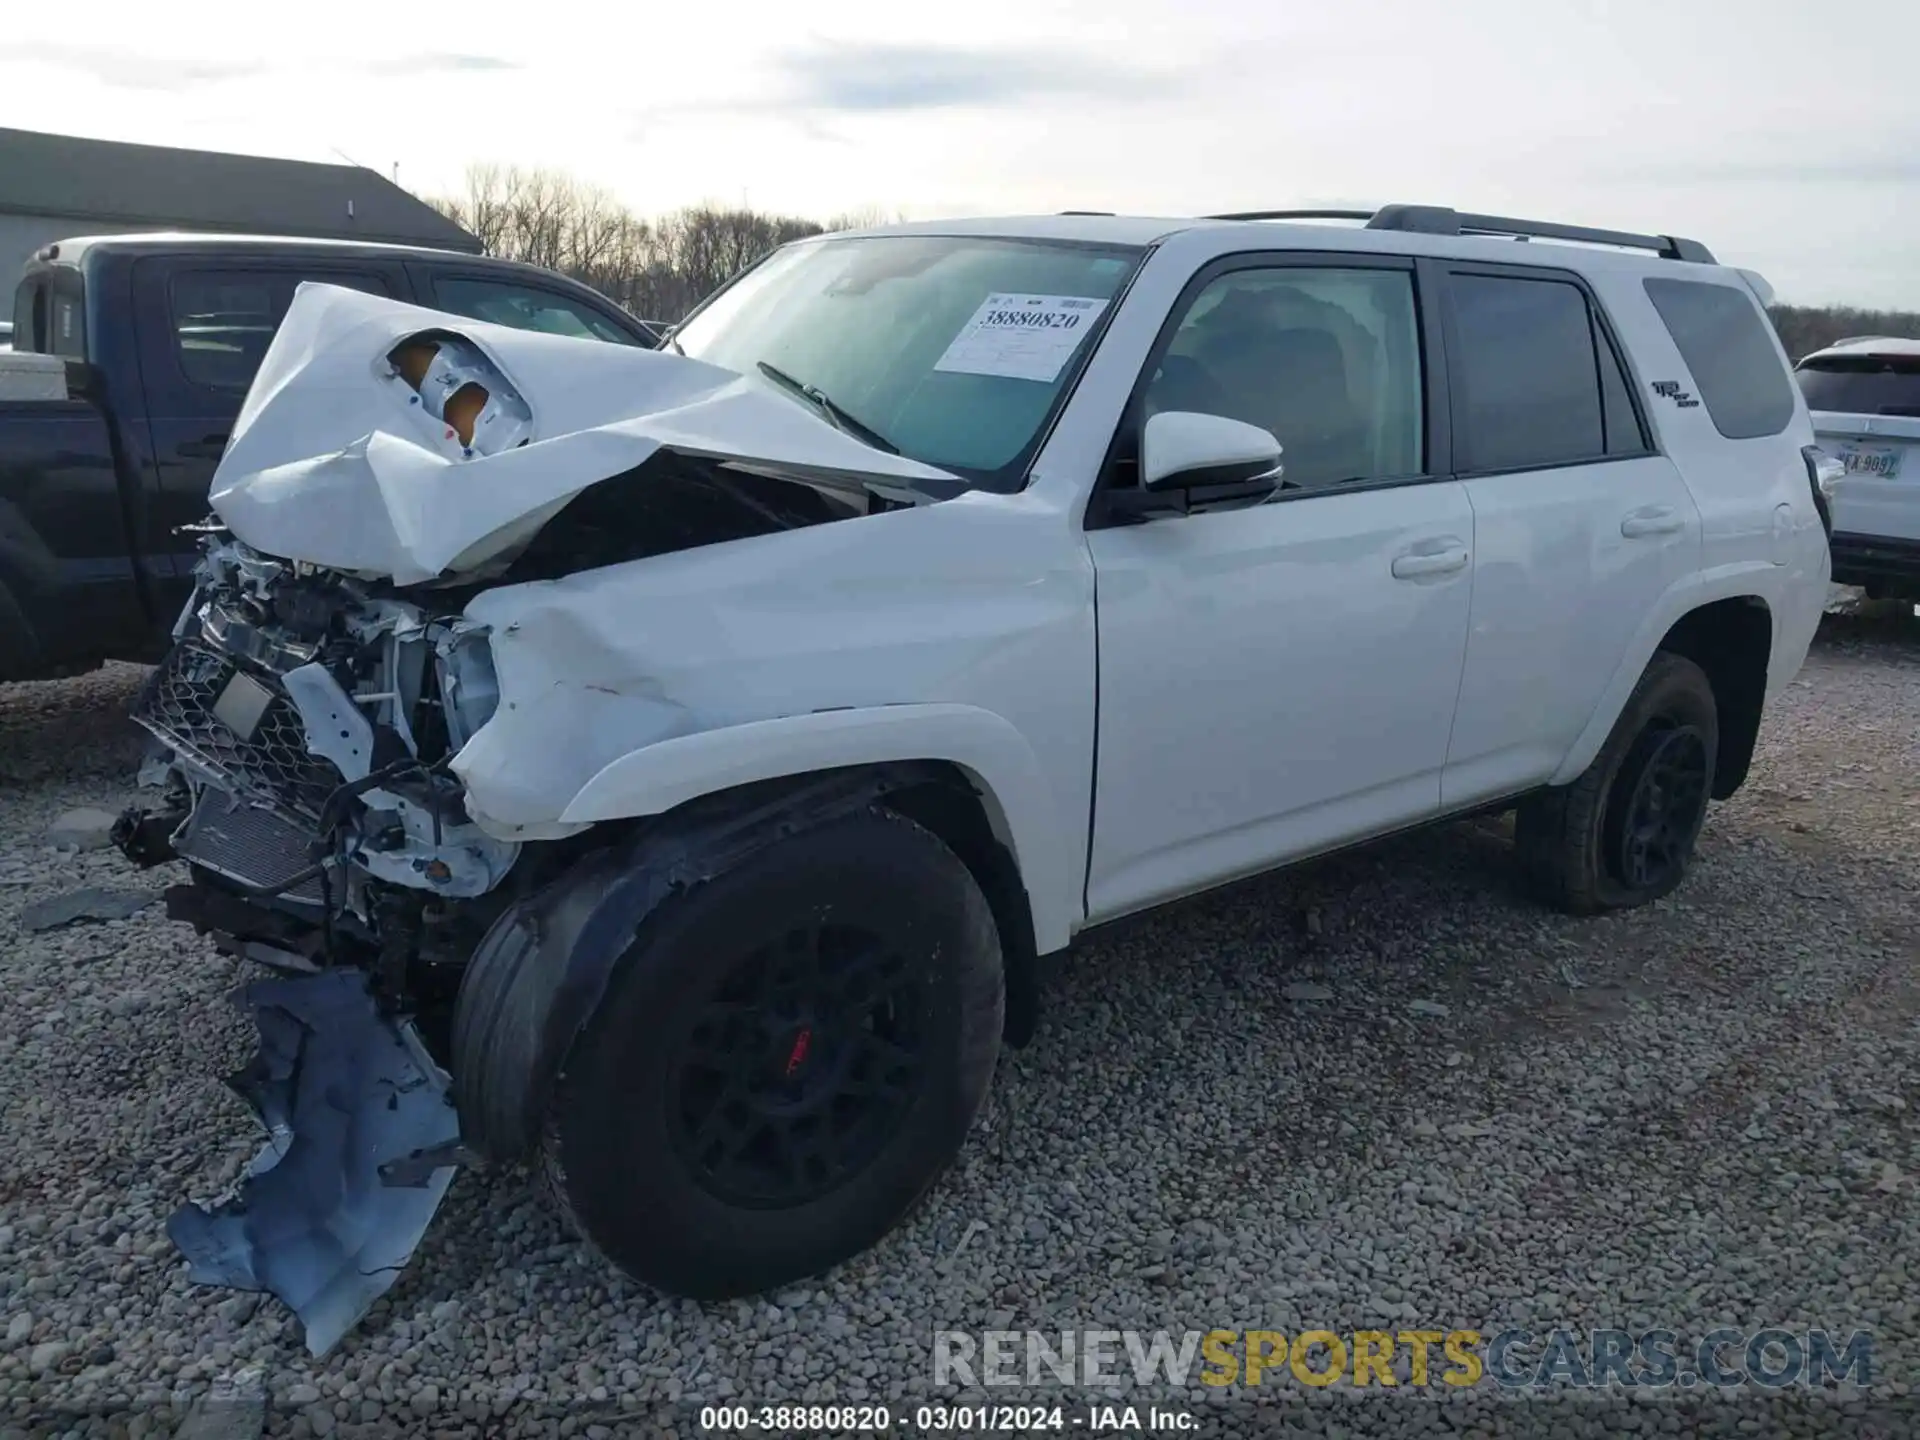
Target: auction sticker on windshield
x,y
1022,337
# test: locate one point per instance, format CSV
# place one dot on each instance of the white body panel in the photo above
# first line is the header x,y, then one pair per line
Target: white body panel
x,y
959,632
1269,687
1567,564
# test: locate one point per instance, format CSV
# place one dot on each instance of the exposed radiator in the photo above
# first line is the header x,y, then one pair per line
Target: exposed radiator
x,y
246,843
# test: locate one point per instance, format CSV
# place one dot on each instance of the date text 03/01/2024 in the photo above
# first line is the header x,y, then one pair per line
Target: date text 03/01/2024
x,y
964,1419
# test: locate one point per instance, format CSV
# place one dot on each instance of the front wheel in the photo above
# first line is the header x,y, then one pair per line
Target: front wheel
x,y
784,1061
1623,833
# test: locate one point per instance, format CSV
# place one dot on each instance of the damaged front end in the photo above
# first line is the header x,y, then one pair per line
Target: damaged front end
x,y
308,722
342,816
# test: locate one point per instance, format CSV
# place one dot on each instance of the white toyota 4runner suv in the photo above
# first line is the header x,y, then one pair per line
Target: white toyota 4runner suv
x,y
676,764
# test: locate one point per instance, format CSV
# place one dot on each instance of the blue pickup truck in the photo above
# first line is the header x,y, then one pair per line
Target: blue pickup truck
x,y
162,335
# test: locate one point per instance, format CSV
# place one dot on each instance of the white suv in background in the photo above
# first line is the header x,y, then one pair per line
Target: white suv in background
x,y
706,765
1864,394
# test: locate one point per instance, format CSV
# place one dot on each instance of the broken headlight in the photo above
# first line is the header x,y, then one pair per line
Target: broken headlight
x,y
469,688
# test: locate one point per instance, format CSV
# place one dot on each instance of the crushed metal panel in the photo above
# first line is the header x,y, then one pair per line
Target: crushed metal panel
x,y
333,460
344,1093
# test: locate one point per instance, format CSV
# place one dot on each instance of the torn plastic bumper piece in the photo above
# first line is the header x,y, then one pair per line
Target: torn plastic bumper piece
x,y
362,1142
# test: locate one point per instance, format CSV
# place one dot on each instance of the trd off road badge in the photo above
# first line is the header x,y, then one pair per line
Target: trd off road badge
x,y
1670,390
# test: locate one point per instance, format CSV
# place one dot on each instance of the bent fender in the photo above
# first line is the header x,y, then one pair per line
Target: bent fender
x,y
658,777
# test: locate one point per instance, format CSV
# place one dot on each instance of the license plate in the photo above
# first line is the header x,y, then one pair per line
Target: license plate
x,y
241,704
1880,464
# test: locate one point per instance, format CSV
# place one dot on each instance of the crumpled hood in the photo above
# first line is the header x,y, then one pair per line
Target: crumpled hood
x,y
333,461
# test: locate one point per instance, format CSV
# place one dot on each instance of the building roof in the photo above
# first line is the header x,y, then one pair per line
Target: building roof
x,y
104,180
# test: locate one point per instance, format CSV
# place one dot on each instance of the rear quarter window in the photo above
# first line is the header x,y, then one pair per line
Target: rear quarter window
x,y
1723,337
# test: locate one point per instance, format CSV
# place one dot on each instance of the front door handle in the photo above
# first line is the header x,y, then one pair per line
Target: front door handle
x,y
1654,520
207,447
1418,565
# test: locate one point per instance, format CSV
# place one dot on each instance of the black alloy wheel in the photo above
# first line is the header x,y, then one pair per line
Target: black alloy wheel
x,y
801,1067
785,1059
1659,802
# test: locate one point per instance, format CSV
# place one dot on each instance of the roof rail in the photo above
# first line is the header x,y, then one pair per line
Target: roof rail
x,y
1086,212
1440,220
1295,215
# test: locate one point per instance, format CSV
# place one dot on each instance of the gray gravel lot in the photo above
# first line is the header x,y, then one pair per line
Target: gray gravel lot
x,y
1699,1114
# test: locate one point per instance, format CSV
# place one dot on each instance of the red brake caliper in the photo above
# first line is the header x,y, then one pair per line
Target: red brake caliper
x,y
798,1055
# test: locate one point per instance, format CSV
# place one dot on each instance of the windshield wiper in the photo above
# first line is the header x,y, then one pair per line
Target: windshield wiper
x,y
838,415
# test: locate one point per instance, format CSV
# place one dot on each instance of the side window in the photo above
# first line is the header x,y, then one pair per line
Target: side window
x,y
223,323
1625,435
1722,337
223,320
524,307
1326,360
1528,374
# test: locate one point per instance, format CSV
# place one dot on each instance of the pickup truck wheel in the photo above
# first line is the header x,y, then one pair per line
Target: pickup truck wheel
x,y
785,1060
1623,833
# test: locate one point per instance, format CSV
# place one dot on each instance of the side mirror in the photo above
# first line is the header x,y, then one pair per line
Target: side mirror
x,y
1189,450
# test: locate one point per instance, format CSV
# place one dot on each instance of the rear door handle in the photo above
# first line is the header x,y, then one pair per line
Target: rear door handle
x,y
1654,520
1418,564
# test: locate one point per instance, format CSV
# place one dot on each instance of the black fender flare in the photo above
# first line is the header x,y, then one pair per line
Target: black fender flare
x,y
543,966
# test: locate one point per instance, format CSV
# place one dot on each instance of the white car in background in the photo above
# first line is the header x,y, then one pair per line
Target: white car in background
x,y
1864,396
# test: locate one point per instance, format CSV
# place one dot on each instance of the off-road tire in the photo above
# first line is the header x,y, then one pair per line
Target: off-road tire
x,y
613,1156
1561,835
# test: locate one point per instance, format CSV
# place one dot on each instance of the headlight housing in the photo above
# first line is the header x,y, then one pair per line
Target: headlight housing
x,y
469,686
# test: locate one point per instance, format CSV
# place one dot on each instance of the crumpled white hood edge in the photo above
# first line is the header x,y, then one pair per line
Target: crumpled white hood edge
x,y
332,461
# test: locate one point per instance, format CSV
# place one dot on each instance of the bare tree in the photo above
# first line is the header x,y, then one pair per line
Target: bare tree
x,y
661,269
658,270
1806,328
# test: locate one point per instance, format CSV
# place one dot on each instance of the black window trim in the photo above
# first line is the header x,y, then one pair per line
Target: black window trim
x,y
1600,322
1436,436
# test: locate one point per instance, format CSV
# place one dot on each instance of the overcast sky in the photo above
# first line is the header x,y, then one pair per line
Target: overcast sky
x,y
1785,134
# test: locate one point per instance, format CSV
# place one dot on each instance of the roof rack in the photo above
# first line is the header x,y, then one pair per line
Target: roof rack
x,y
1442,220
1296,215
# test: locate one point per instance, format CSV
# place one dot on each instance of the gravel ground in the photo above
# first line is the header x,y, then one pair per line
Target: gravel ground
x,y
1382,1092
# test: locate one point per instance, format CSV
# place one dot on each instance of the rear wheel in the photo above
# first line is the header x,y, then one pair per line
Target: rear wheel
x,y
785,1060
1623,833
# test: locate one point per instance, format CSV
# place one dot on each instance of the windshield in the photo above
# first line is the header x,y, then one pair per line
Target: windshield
x,y
1862,384
953,350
